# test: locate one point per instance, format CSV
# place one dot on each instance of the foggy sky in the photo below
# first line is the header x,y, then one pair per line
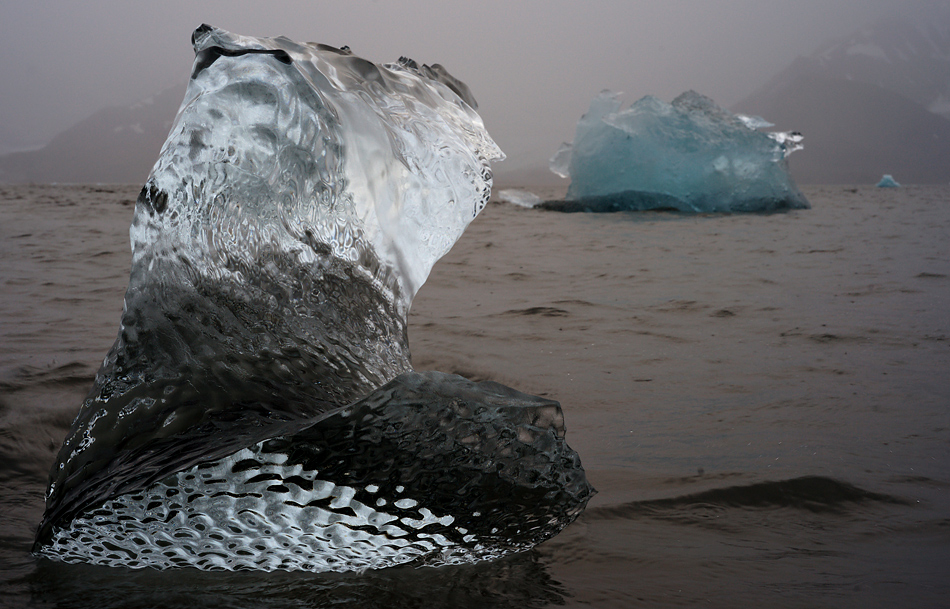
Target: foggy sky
x,y
533,65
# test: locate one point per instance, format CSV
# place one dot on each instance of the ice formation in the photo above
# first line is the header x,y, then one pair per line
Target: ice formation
x,y
521,198
258,408
690,156
888,181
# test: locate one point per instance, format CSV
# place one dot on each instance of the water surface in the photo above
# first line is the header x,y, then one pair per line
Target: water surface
x,y
762,401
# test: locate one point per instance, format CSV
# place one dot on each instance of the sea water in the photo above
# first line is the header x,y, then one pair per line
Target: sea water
x,y
761,400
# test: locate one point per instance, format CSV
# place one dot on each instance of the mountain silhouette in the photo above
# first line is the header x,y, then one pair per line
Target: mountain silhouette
x,y
115,145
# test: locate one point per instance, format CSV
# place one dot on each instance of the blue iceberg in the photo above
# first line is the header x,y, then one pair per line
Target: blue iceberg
x,y
689,156
888,181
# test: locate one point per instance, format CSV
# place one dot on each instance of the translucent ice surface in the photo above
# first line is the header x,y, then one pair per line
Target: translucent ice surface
x,y
372,485
386,165
690,155
299,203
519,197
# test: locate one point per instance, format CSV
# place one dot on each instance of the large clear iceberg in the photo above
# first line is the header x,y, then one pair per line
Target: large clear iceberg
x,y
258,409
689,155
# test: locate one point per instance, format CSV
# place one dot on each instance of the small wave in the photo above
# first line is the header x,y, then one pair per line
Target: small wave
x,y
815,494
73,373
575,301
542,311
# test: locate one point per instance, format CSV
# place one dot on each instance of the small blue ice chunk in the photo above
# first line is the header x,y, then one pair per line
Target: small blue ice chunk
x,y
888,181
690,155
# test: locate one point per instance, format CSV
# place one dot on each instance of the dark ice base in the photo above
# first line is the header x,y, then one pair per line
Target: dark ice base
x,y
636,200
